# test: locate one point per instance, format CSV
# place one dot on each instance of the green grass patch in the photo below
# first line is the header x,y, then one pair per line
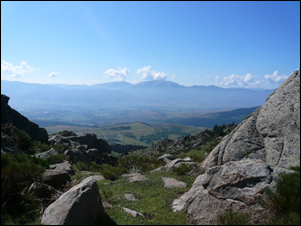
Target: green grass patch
x,y
154,201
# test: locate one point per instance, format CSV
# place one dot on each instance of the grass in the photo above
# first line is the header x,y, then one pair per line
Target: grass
x,y
231,217
154,201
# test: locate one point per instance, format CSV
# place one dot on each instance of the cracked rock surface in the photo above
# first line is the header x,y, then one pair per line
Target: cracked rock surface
x,y
248,159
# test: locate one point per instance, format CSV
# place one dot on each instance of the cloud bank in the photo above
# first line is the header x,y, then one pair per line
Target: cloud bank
x,y
53,74
147,73
237,80
118,75
16,71
275,78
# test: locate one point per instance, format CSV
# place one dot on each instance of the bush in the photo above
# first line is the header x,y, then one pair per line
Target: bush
x,y
112,173
231,217
284,202
82,166
18,172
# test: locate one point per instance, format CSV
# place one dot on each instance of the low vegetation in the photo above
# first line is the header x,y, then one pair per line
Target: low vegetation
x,y
18,172
154,201
231,217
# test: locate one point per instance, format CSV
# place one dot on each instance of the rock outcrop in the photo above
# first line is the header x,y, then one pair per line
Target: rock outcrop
x,y
58,174
271,133
83,147
46,154
248,159
21,122
81,205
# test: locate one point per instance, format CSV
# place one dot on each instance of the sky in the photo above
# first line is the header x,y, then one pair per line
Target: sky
x,y
227,44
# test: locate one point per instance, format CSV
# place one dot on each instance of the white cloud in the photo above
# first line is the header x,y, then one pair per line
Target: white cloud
x,y
147,73
217,79
275,78
173,77
53,74
16,71
119,74
237,80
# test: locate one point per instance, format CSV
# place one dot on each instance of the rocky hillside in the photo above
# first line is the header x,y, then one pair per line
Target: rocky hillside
x,y
187,143
9,115
248,159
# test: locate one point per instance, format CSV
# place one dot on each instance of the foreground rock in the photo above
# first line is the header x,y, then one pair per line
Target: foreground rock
x,y
234,185
271,133
248,160
81,205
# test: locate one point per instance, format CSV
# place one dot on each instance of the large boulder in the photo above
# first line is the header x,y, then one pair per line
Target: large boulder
x,y
9,115
271,133
248,159
80,205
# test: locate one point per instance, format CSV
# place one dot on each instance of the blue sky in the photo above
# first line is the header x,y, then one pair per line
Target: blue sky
x,y
228,44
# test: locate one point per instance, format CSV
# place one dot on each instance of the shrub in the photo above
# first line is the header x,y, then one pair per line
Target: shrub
x,y
231,217
82,166
284,202
286,197
107,194
112,173
18,172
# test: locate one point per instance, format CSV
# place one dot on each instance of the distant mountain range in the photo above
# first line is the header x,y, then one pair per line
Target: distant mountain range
x,y
144,95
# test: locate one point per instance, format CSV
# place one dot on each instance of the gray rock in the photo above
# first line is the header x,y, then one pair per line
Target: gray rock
x,y
106,204
271,133
133,212
235,184
8,145
177,163
75,155
80,205
58,174
98,177
130,197
167,158
63,166
56,178
173,183
248,159
161,168
46,154
43,190
9,115
137,178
